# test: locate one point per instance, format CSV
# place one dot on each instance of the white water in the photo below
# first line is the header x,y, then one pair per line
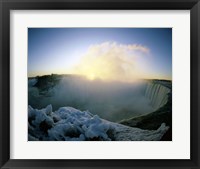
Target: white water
x,y
157,94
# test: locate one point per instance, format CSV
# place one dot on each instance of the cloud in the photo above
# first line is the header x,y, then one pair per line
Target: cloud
x,y
111,61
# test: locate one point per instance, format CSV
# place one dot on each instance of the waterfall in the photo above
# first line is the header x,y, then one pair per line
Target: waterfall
x,y
157,94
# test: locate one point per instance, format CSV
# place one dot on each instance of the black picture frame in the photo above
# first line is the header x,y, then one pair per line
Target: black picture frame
x,y
7,5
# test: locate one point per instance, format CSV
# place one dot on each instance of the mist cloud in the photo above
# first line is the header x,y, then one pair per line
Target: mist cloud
x,y
111,61
110,100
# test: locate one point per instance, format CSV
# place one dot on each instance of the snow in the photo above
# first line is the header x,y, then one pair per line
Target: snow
x,y
128,133
70,124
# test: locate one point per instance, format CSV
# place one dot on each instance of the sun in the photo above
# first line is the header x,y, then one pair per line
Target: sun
x,y
91,76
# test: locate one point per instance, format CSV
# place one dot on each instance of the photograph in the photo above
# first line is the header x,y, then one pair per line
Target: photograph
x,y
99,84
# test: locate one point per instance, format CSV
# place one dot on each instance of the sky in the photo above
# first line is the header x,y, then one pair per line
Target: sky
x,y
101,53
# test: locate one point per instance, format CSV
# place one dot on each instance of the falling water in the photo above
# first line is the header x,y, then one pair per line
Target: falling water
x,y
157,94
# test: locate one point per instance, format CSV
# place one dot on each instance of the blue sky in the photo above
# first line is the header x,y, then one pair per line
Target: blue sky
x,y
66,50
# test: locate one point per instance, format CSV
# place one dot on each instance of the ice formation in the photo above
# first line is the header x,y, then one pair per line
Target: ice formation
x,y
70,124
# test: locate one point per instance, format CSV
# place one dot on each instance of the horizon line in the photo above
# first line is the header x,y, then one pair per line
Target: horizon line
x,y
96,78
